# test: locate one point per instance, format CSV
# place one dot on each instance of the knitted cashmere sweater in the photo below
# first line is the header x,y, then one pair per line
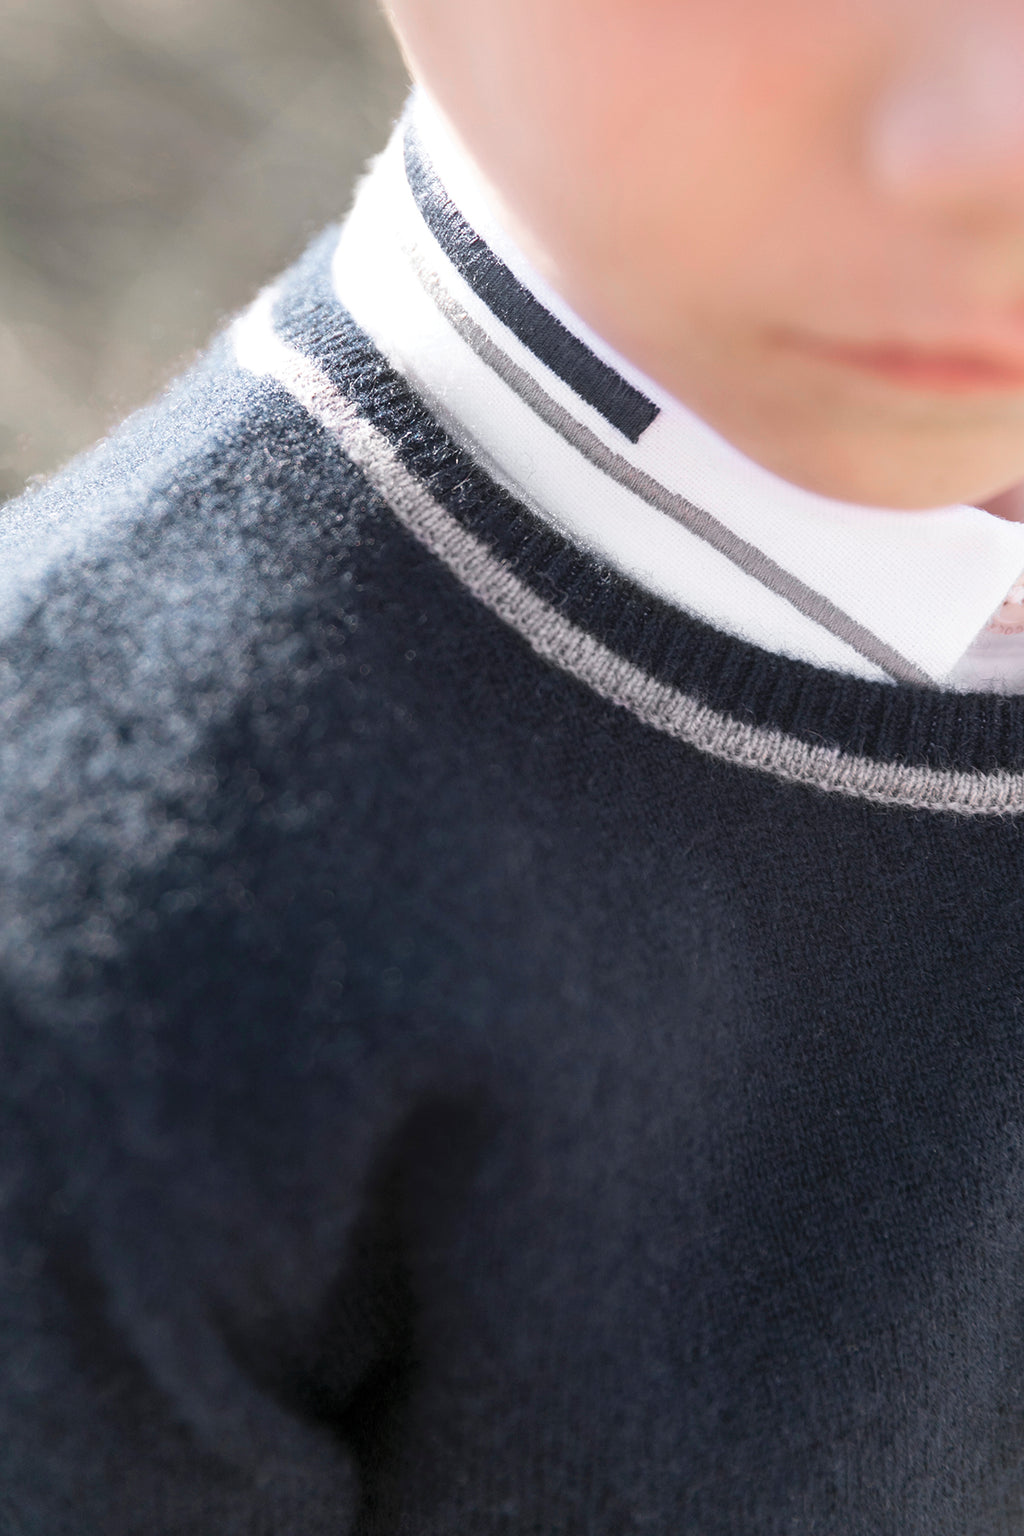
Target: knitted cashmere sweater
x,y
482,1052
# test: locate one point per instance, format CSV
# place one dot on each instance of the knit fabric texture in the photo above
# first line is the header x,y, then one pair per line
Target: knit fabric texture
x,y
482,1052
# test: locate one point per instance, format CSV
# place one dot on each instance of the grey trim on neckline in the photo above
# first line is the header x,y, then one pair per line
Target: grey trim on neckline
x,y
751,560
573,650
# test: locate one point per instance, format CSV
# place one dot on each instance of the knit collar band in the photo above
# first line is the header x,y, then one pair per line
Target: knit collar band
x,y
898,745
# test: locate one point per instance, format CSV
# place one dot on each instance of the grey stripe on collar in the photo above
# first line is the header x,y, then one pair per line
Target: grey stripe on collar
x,y
573,650
740,551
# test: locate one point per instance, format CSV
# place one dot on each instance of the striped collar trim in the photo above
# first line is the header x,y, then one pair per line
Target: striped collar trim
x,y
627,472
926,750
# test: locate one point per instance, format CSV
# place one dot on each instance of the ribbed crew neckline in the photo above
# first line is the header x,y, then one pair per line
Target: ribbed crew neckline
x,y
975,740
889,722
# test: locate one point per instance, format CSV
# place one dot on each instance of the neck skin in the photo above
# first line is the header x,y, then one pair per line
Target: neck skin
x,y
805,220
1008,505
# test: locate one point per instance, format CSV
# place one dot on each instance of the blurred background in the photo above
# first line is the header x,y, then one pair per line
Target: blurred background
x,y
159,161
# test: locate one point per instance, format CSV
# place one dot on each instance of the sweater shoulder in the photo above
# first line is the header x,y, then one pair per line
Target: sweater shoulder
x,y
197,465
166,600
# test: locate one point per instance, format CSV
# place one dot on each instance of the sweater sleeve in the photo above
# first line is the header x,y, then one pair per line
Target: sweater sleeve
x,y
205,1154
205,1084
204,1273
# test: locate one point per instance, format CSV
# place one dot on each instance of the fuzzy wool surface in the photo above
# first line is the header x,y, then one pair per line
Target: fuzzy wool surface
x,y
435,1101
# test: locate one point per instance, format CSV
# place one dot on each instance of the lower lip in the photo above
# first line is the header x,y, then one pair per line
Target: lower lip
x,y
934,372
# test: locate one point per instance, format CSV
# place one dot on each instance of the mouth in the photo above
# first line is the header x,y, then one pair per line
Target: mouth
x,y
932,370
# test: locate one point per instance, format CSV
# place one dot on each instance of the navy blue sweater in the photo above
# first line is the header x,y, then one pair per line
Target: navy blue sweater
x,y
482,1052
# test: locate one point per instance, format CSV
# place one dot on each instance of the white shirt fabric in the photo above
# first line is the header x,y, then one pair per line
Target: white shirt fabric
x,y
878,593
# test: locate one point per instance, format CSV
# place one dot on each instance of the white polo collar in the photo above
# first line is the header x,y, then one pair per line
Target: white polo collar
x,y
595,447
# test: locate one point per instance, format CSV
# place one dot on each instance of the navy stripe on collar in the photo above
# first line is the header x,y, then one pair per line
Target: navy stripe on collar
x,y
620,403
